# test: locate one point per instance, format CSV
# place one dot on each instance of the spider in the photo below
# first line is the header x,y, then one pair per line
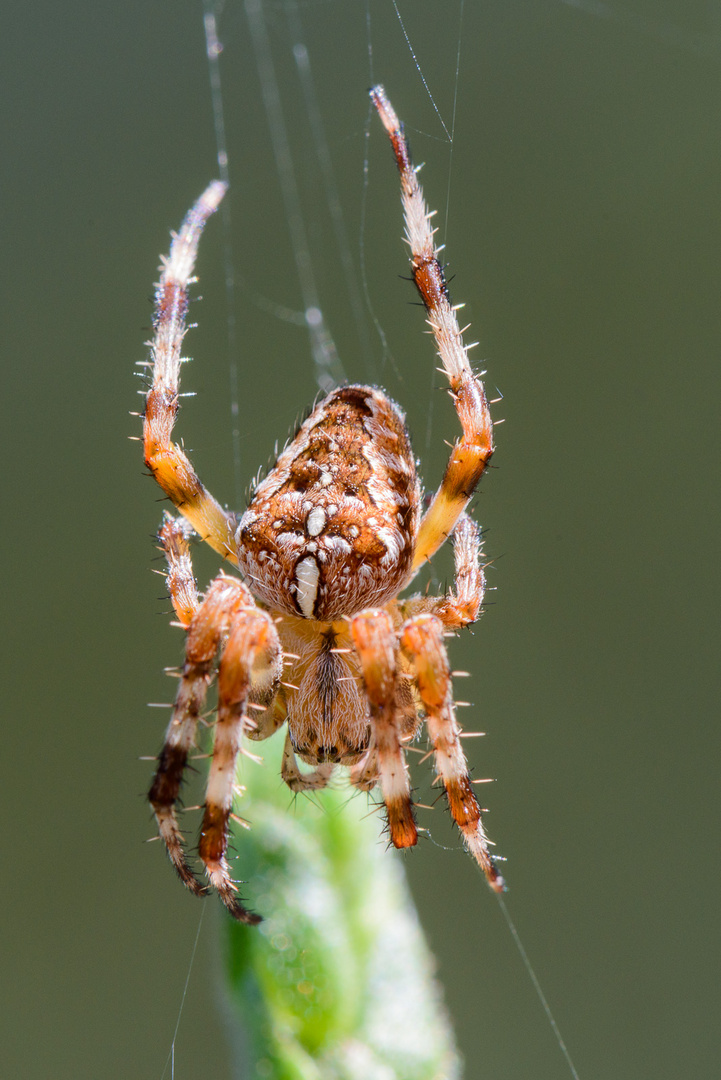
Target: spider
x,y
314,634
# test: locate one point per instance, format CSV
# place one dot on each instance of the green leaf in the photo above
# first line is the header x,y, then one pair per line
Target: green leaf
x,y
337,981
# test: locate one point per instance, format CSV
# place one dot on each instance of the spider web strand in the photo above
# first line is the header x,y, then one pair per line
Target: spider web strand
x,y
537,986
213,51
329,371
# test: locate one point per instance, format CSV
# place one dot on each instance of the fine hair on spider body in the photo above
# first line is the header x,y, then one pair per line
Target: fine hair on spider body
x,y
315,634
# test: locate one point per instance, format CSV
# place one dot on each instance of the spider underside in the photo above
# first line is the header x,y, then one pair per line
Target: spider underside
x,y
315,635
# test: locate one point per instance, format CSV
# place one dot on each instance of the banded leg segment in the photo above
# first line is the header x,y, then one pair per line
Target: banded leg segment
x,y
252,652
422,640
167,462
207,625
375,642
470,455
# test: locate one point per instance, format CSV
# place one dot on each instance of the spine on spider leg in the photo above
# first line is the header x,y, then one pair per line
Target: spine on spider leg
x,y
337,981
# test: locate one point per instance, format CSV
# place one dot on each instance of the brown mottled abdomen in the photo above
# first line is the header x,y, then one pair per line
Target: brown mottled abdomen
x,y
331,529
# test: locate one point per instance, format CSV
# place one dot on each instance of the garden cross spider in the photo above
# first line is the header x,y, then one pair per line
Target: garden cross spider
x,y
314,634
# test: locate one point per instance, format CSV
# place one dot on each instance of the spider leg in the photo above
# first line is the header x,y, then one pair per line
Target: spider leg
x,y
174,535
470,455
252,657
167,462
206,626
364,775
460,607
299,781
422,640
375,642
265,718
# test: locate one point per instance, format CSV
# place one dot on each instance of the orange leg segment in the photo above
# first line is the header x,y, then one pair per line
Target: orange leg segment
x,y
422,640
252,644
250,667
207,625
375,642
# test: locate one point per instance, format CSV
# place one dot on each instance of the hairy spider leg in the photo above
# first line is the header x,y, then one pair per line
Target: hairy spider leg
x,y
471,454
422,640
206,627
252,657
364,775
375,641
174,535
299,781
461,606
167,462
250,668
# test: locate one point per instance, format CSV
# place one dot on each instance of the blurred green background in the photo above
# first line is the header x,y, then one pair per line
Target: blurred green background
x,y
584,233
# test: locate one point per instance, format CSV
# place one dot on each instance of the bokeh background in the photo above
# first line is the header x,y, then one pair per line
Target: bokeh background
x,y
584,233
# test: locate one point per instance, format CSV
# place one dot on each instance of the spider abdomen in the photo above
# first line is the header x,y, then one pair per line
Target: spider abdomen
x,y
331,530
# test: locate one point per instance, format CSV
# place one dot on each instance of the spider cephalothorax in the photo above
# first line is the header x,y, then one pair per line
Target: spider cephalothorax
x,y
330,539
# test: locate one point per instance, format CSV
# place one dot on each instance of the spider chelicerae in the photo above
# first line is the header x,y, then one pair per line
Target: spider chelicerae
x,y
314,634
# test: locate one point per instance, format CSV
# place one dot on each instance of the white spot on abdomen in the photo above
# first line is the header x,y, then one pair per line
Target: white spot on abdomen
x,y
315,521
307,574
